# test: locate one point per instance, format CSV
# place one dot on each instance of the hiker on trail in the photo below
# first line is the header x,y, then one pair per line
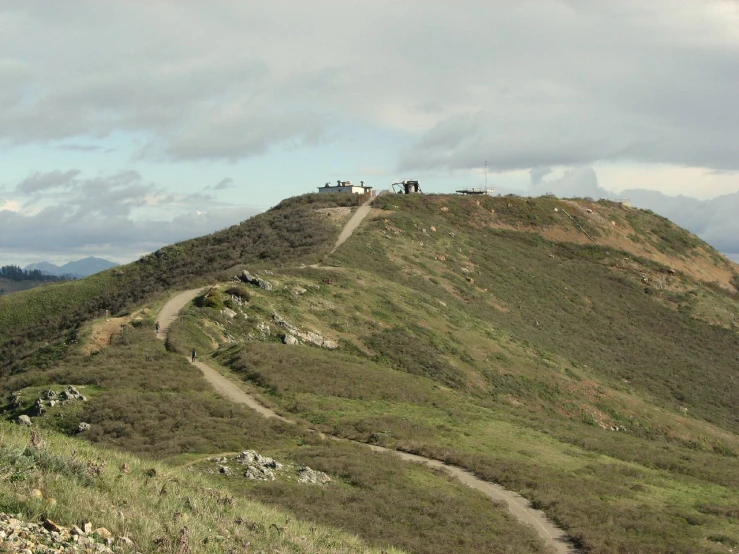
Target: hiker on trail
x,y
193,354
157,326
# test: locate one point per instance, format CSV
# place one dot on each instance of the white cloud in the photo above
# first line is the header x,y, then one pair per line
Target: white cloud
x,y
104,215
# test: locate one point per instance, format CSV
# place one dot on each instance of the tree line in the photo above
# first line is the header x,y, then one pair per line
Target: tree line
x,y
15,273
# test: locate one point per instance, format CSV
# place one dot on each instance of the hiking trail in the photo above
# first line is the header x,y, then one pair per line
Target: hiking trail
x,y
554,537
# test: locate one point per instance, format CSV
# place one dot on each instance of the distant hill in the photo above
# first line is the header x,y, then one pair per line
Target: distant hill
x,y
80,268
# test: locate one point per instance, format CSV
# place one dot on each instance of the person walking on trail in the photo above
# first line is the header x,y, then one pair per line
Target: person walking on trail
x,y
194,354
157,326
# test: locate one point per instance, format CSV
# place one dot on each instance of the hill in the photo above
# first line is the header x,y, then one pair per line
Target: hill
x,y
580,353
78,268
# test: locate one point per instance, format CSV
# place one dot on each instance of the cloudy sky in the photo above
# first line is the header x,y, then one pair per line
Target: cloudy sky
x,y
126,125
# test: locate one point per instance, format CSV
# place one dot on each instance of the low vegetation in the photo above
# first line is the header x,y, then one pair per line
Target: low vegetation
x,y
291,233
580,353
157,507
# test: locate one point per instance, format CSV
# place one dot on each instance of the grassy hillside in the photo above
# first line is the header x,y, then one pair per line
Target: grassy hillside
x,y
580,353
292,232
8,287
44,475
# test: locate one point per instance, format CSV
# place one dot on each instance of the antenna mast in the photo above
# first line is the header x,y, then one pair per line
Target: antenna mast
x,y
486,174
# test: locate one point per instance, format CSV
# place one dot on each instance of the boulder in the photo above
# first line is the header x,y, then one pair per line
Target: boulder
x,y
289,339
38,408
312,477
24,420
247,277
82,427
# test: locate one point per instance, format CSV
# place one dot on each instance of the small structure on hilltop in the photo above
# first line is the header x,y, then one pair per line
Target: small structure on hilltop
x,y
346,187
407,187
488,191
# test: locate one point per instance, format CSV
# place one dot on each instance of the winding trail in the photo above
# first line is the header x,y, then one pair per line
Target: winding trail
x,y
554,537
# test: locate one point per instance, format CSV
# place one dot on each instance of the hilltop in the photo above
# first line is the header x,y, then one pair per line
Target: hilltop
x,y
580,353
77,268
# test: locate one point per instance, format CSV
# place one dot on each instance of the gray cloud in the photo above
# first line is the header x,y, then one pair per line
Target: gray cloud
x,y
42,181
520,84
224,184
78,147
538,173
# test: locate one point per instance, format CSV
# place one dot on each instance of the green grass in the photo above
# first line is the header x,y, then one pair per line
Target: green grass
x,y
464,335
147,501
290,233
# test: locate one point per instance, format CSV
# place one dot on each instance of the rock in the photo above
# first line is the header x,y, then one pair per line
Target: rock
x,y
263,328
72,391
49,394
103,533
52,403
87,528
312,477
35,493
254,280
38,408
224,469
125,540
289,339
51,526
24,420
82,427
298,291
76,530
330,344
228,312
311,337
258,467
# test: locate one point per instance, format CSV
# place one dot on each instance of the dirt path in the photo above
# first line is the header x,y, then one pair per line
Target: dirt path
x,y
172,308
521,509
353,223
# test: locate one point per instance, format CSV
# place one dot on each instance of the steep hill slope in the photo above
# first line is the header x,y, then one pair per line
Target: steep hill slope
x,y
295,231
582,354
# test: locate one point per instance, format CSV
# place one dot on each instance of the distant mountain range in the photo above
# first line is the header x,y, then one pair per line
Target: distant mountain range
x,y
79,268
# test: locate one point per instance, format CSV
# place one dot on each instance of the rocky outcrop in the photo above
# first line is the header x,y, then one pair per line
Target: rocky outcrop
x,y
312,477
24,420
48,399
247,277
256,466
17,535
310,337
289,339
263,468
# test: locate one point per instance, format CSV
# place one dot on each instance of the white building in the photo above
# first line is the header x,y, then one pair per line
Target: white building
x,y
347,187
